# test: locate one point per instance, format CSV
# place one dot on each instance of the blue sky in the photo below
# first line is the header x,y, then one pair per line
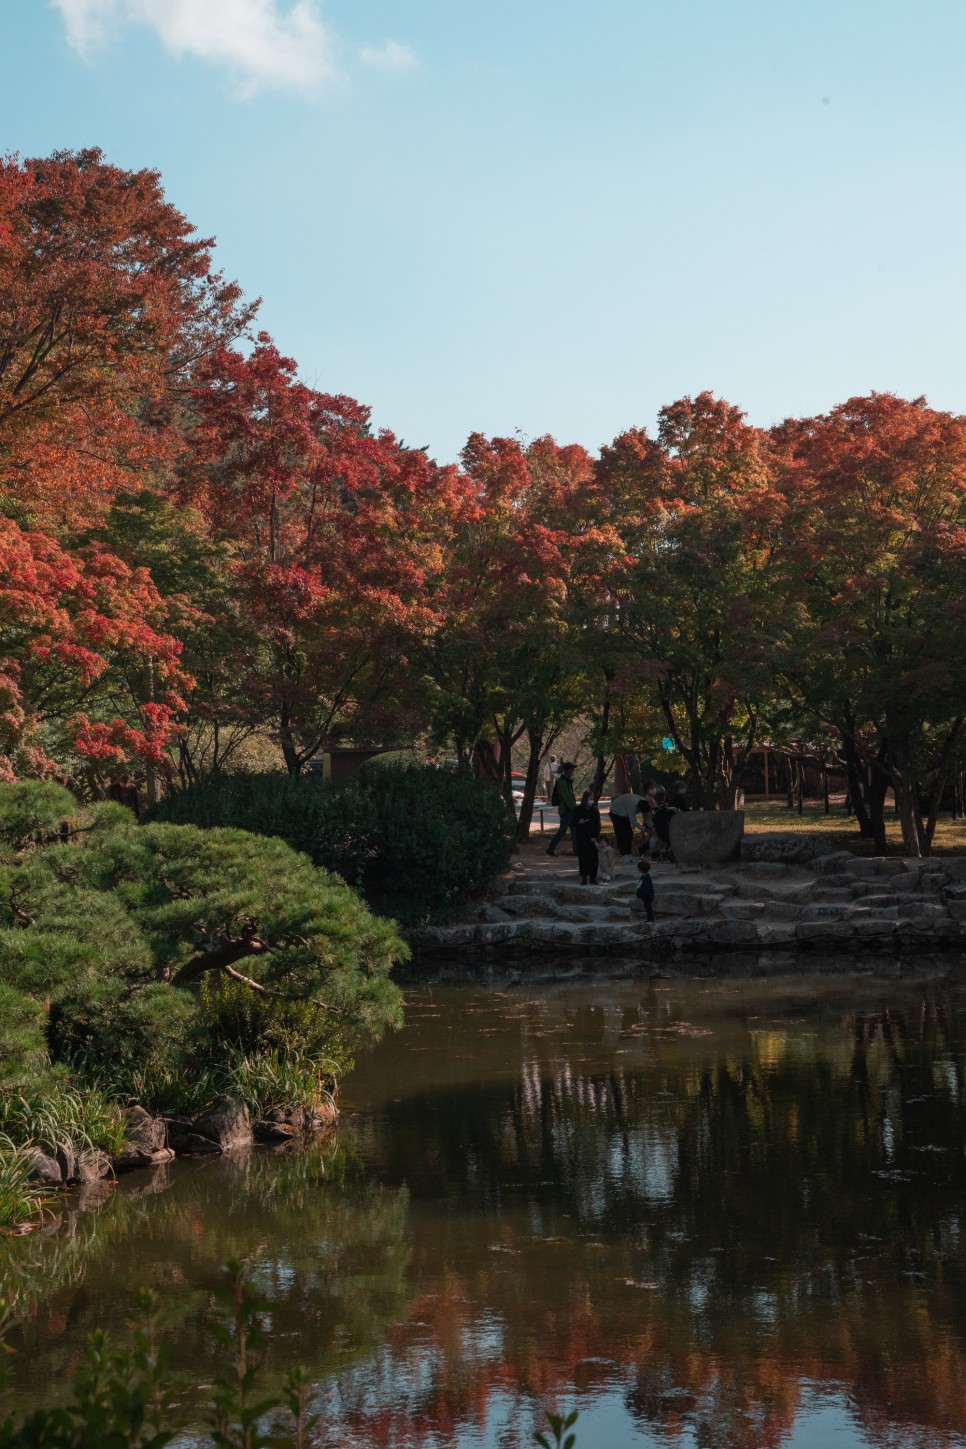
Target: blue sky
x,y
551,217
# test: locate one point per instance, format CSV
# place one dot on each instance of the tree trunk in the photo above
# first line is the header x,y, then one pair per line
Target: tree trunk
x,y
857,796
290,753
902,777
905,789
600,774
152,782
739,764
535,742
505,740
877,785
928,828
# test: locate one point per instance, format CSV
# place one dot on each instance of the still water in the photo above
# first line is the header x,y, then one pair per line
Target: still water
x,y
704,1213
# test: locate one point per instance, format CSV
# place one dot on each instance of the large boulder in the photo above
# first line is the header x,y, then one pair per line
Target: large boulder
x,y
92,1164
227,1124
707,837
145,1141
788,847
44,1166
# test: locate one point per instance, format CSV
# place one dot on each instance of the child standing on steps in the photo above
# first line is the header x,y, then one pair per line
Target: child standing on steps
x,y
645,891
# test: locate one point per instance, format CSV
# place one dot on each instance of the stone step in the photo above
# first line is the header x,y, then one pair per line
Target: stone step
x,y
685,903
782,911
765,869
826,911
632,935
741,910
917,910
874,866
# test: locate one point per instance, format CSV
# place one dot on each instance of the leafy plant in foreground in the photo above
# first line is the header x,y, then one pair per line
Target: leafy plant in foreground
x,y
559,1426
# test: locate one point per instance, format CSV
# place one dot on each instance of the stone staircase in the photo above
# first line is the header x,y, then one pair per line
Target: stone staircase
x,y
838,900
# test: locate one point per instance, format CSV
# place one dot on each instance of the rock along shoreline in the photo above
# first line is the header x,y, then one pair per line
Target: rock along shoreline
x,y
785,892
150,1141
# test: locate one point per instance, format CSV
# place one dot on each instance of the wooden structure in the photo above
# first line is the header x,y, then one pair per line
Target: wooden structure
x,y
337,765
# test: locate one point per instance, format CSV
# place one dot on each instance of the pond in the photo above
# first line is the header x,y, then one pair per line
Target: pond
x,y
708,1212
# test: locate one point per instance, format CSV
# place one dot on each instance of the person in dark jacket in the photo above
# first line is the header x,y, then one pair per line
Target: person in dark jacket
x,y
564,799
645,890
586,823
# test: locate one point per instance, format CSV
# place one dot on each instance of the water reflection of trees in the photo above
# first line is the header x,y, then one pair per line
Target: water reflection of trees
x,y
706,1205
716,1227
327,1243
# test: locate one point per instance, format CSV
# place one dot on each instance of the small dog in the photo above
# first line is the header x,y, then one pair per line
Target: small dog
x,y
605,860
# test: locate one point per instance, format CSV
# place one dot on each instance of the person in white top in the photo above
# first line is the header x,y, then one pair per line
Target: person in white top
x,y
623,817
550,772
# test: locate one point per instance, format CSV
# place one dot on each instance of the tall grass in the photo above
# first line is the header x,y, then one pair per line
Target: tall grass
x,y
262,1080
19,1200
280,1079
85,1119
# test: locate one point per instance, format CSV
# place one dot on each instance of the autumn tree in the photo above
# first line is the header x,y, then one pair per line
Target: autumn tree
x,y
91,674
876,494
107,303
328,527
500,661
693,599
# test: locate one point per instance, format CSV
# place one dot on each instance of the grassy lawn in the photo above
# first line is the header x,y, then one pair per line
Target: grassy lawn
x,y
760,815
950,838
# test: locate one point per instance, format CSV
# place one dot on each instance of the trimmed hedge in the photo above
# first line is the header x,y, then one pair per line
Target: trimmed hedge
x,y
418,843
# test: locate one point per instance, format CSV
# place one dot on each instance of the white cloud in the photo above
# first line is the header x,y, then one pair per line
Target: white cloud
x,y
264,43
388,56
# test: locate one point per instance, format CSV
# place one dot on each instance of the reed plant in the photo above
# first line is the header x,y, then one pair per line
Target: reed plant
x,y
280,1079
59,1113
20,1200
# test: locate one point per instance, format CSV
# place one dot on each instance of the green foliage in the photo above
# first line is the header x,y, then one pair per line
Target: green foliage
x,y
559,1425
128,950
281,1079
119,1401
58,1114
419,843
19,1201
32,812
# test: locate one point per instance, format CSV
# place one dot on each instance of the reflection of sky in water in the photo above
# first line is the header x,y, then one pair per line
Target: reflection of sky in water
x,y
825,1421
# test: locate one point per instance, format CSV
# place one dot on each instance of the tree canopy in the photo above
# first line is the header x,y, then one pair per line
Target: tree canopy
x,y
203,556
143,944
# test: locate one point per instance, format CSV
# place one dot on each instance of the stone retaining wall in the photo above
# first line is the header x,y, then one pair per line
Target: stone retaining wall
x,y
836,902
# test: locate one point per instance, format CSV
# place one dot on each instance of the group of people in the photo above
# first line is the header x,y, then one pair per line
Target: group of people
x,y
652,811
656,809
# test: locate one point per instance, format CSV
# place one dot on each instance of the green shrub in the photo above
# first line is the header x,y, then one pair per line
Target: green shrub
x,y
419,843
133,956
